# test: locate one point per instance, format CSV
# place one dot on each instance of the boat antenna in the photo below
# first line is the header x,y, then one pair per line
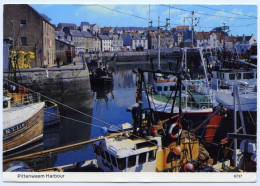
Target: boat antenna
x,y
193,19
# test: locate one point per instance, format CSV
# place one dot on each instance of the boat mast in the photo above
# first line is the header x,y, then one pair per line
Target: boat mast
x,y
192,18
192,29
235,123
158,43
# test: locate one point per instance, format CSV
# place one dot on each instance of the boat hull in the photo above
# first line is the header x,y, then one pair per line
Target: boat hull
x,y
24,133
101,81
248,101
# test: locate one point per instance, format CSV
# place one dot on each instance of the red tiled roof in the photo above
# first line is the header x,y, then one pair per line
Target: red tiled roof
x,y
202,35
229,39
106,28
182,27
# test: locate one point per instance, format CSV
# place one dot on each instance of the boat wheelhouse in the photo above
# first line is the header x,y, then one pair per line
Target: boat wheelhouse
x,y
123,154
222,79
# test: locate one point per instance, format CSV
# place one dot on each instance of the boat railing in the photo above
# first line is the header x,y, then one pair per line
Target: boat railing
x,y
198,102
21,99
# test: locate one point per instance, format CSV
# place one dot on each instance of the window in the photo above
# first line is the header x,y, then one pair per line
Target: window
x,y
23,23
238,75
152,155
5,104
159,88
142,158
121,163
248,76
131,161
102,153
96,150
232,76
23,40
172,88
165,88
113,160
108,157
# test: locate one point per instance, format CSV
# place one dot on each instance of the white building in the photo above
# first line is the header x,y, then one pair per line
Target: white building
x,y
116,43
105,43
243,43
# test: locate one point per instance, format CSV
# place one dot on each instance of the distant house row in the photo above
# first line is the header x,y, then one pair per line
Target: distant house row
x,y
30,31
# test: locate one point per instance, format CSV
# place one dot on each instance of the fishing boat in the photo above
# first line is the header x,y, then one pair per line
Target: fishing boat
x,y
164,88
23,119
221,87
99,73
101,76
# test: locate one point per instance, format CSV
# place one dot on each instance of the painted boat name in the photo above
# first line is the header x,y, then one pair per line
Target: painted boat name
x,y
14,128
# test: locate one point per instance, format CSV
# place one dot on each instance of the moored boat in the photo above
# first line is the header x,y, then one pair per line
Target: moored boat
x,y
23,120
165,87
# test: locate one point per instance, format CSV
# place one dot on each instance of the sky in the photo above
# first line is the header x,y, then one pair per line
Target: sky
x,y
241,19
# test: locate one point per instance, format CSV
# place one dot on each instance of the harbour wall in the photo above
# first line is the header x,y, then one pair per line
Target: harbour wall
x,y
58,83
130,56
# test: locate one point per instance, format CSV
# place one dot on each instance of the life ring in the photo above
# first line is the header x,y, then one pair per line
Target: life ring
x,y
203,107
174,136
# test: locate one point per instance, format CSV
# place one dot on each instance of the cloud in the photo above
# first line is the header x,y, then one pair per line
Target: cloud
x,y
172,12
180,19
97,10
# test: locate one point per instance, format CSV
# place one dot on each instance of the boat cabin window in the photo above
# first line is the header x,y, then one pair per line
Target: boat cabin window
x,y
5,104
121,163
232,76
108,157
172,88
131,161
113,160
102,153
142,158
238,75
152,155
96,150
159,88
165,88
248,76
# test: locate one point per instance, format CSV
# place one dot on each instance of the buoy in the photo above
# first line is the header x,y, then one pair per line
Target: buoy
x,y
177,150
174,136
188,167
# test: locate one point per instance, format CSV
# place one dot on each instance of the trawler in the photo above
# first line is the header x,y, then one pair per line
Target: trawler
x,y
23,119
165,87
